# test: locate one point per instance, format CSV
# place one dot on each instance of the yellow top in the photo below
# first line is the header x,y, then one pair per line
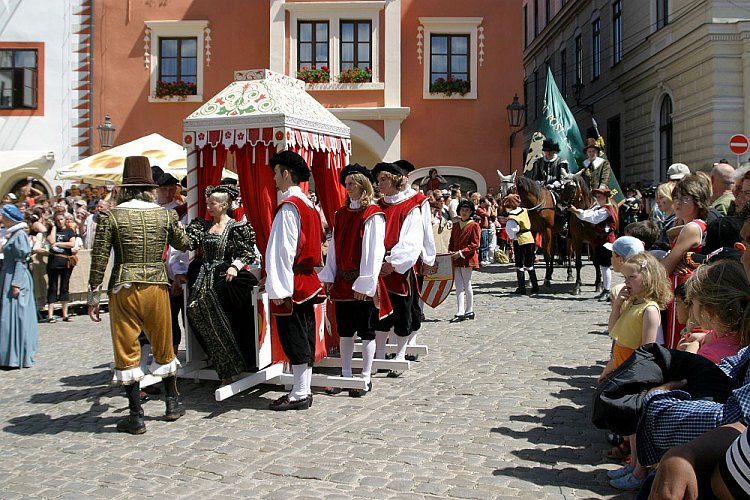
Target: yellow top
x,y
628,330
522,219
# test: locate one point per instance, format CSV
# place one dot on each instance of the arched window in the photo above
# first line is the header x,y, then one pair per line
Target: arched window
x,y
665,136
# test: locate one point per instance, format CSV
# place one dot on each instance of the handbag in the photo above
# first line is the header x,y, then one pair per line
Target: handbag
x,y
72,261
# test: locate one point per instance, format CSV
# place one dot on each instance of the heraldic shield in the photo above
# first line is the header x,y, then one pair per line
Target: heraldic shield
x,y
436,287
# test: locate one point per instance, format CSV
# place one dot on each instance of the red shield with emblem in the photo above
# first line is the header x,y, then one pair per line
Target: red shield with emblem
x,y
436,287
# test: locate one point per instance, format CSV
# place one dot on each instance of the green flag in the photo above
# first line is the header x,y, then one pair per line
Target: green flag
x,y
557,124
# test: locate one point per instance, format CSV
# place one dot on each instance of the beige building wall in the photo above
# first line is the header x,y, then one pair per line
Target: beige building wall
x,y
701,59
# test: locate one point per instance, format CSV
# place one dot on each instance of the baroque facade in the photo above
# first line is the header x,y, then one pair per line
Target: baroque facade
x,y
665,80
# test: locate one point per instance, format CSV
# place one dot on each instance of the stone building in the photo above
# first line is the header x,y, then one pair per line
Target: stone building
x,y
665,80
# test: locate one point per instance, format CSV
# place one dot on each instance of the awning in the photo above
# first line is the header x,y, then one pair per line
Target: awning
x,y
27,160
107,166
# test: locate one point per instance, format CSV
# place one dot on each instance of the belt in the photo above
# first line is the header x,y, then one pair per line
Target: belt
x,y
524,231
348,275
303,269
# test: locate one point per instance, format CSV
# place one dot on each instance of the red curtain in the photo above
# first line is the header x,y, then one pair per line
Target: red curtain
x,y
327,186
211,165
258,189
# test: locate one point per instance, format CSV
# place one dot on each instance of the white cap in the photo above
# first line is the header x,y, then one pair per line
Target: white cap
x,y
677,171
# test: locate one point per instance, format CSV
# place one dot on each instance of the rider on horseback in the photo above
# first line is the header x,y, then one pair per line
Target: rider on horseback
x,y
550,171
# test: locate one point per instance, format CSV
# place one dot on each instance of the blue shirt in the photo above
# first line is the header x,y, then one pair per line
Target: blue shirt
x,y
672,418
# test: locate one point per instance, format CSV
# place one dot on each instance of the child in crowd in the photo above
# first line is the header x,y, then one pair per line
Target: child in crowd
x,y
718,294
635,320
518,229
463,247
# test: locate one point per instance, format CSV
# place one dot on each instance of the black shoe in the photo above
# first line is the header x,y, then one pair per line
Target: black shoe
x,y
284,404
411,357
358,393
469,315
394,373
332,391
174,409
458,318
534,290
604,296
383,370
132,424
519,291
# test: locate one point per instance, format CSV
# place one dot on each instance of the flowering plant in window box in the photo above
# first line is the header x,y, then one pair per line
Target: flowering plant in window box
x,y
175,89
314,75
450,86
355,75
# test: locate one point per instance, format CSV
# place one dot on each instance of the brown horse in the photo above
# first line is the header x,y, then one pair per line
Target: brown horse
x,y
576,193
541,206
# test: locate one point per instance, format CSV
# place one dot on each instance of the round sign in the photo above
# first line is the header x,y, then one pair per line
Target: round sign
x,y
739,144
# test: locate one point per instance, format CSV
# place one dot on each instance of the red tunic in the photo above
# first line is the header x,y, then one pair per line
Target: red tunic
x,y
395,215
604,232
466,241
349,231
309,254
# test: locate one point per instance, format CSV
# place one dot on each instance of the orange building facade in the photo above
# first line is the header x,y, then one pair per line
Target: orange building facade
x,y
384,59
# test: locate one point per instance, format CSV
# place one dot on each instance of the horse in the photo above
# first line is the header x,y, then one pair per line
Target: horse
x,y
541,206
575,192
507,183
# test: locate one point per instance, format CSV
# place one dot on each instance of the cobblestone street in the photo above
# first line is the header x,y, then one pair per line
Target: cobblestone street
x,y
499,408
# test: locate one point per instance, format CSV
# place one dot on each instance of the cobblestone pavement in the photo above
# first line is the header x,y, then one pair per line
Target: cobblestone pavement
x,y
499,408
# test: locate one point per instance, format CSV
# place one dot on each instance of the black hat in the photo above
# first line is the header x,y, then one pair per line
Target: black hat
x,y
293,162
137,172
355,168
167,179
405,165
550,145
466,203
156,172
387,167
591,133
229,181
721,232
183,182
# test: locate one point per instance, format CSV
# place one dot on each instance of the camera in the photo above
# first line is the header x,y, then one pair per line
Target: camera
x,y
649,192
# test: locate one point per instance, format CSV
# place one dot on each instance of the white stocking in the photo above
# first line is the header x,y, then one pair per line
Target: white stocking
x,y
308,379
368,354
401,354
299,390
606,277
466,274
458,277
346,345
412,339
381,338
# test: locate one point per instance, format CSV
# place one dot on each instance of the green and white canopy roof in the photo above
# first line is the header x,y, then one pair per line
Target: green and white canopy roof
x,y
261,105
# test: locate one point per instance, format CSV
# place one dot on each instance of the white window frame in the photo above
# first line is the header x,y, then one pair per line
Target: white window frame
x,y
334,13
451,26
176,29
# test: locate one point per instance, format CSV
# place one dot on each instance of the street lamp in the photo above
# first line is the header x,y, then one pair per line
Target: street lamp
x,y
106,133
578,94
516,112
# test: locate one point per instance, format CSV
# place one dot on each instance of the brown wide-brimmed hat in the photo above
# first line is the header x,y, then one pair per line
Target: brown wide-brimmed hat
x,y
603,191
137,172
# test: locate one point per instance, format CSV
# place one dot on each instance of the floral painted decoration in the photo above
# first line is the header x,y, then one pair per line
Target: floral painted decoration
x,y
314,75
450,86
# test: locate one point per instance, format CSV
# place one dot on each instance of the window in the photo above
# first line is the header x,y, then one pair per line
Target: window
x,y
595,49
178,61
547,11
525,99
616,32
176,51
525,26
449,57
579,59
18,78
312,44
564,73
662,13
665,136
451,43
536,17
356,44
